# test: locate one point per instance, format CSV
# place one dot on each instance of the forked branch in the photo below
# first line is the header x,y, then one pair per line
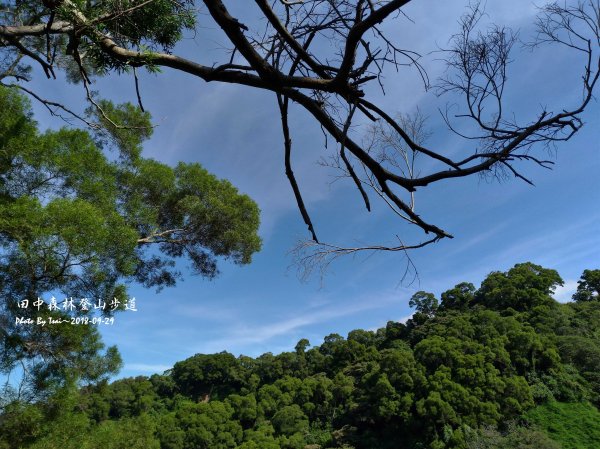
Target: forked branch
x,y
323,55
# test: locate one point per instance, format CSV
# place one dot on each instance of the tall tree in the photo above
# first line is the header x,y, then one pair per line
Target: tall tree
x,y
588,287
76,224
523,287
323,56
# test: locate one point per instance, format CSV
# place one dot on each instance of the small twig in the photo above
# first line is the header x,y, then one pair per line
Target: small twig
x,y
53,106
137,90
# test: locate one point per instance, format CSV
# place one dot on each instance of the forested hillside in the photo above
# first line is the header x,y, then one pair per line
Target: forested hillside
x,y
502,366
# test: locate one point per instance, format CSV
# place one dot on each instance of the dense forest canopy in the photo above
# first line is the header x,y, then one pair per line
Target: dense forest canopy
x,y
500,366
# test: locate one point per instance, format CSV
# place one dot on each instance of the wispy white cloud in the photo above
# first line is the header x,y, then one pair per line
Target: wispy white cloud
x,y
240,334
233,132
478,239
405,318
204,312
402,320
564,293
556,244
146,368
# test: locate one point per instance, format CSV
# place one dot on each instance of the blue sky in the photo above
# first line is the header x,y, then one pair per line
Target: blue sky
x,y
233,131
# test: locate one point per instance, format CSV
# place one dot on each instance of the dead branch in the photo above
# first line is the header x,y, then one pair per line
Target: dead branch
x,y
323,55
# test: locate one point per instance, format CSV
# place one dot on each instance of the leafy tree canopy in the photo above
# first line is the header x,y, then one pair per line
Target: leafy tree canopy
x,y
588,287
76,223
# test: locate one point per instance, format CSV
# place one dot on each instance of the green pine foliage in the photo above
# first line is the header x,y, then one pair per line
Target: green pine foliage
x,y
78,220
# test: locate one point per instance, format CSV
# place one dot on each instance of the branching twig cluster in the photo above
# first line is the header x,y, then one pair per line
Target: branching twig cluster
x,y
320,54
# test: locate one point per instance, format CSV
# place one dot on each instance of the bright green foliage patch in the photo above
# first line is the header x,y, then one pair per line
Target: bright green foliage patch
x,y
573,425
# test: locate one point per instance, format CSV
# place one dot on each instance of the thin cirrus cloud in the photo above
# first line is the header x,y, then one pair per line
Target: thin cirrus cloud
x,y
244,336
564,292
234,132
552,247
146,368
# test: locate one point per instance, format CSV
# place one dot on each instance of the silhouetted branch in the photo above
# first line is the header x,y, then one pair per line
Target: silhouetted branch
x,y
323,55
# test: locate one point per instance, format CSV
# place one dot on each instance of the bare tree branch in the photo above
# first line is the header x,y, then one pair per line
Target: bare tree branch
x,y
283,108
323,55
